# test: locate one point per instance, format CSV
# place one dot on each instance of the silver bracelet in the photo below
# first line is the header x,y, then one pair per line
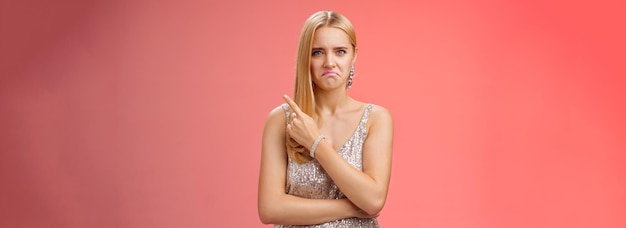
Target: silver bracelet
x,y
317,141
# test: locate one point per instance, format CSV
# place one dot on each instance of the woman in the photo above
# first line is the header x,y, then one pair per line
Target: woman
x,y
326,158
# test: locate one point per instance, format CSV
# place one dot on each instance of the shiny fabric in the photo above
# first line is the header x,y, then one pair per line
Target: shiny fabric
x,y
309,180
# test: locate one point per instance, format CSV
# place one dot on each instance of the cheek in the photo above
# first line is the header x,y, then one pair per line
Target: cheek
x,y
315,65
347,63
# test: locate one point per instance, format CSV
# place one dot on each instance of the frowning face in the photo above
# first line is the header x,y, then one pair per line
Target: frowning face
x,y
332,57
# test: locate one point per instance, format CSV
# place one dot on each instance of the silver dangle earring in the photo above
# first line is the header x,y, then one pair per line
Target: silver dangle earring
x,y
351,76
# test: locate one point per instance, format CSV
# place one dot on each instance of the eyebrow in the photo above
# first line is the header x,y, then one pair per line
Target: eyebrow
x,y
335,48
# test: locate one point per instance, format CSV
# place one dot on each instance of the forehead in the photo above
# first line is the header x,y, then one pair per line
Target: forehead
x,y
330,37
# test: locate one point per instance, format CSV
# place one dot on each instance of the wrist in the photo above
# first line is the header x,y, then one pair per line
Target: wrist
x,y
315,145
350,209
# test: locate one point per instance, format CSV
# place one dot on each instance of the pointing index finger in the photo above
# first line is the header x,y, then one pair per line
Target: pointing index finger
x,y
292,104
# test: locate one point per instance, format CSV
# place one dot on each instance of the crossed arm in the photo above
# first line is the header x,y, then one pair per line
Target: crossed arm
x,y
365,190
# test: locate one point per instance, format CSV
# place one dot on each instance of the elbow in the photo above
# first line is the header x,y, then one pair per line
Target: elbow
x,y
265,219
374,211
270,210
268,214
374,207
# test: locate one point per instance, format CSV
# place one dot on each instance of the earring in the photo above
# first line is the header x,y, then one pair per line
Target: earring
x,y
351,76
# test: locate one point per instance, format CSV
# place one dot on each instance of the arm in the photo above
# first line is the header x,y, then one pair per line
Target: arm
x,y
367,189
277,207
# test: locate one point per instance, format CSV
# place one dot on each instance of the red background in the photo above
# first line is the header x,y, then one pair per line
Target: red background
x,y
149,113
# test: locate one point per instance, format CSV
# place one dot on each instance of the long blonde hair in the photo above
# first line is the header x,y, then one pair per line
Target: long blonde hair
x,y
304,94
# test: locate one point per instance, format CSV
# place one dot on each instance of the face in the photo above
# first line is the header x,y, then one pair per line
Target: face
x,y
332,57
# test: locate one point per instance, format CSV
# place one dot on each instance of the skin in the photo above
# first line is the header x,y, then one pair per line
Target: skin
x,y
337,117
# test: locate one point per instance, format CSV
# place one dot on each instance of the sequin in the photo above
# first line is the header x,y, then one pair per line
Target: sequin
x,y
309,180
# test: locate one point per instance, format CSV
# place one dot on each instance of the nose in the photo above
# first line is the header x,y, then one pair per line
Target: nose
x,y
329,61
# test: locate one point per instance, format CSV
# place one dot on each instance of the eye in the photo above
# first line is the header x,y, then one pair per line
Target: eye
x,y
316,53
341,52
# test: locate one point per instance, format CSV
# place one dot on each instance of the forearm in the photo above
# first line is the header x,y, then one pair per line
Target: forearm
x,y
362,190
293,210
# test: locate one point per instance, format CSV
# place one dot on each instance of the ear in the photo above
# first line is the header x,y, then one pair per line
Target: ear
x,y
356,51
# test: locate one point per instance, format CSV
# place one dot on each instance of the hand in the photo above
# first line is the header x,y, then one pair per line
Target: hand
x,y
301,127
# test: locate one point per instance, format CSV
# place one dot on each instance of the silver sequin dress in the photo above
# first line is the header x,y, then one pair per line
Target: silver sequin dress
x,y
309,180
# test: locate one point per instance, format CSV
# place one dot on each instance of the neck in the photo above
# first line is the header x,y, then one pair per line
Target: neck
x,y
331,101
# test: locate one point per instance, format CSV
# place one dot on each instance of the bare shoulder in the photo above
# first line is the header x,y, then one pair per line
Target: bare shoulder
x,y
276,118
277,112
380,114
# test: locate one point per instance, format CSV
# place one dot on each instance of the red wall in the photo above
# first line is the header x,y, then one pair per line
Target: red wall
x,y
145,114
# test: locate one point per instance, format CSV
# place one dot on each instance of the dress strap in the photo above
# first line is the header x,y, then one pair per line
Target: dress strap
x,y
366,114
287,110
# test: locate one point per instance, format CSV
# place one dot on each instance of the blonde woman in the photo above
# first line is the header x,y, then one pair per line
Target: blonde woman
x,y
326,157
